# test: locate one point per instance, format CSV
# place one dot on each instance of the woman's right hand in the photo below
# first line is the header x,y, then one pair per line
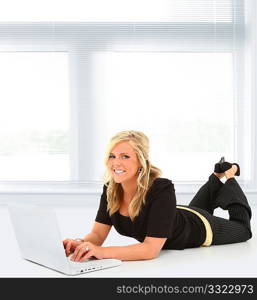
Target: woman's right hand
x,y
70,245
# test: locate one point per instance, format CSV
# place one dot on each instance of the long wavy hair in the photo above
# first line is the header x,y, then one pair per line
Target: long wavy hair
x,y
140,143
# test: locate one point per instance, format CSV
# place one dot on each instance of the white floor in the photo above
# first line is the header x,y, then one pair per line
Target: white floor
x,y
236,260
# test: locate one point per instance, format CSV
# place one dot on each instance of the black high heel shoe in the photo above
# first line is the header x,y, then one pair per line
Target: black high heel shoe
x,y
217,168
222,166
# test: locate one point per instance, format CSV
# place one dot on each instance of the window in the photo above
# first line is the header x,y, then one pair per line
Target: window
x,y
118,11
185,77
34,116
180,100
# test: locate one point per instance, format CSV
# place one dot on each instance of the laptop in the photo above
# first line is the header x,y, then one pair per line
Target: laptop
x,y
39,239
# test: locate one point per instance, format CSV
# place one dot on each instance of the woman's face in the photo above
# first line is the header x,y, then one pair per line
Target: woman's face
x,y
123,163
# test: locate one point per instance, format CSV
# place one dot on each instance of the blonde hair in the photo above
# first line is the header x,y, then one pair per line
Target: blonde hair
x,y
140,144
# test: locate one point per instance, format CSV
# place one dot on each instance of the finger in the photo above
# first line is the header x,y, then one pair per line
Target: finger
x,y
68,247
79,254
87,255
75,252
80,251
67,240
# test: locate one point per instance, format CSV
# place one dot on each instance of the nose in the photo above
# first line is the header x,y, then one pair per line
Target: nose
x,y
116,159
116,162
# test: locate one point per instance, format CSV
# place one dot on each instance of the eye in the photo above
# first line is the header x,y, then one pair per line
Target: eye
x,y
123,156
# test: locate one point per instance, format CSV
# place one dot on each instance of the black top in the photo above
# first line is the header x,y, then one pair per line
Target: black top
x,y
159,217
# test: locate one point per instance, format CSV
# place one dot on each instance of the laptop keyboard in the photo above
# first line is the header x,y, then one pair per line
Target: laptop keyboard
x,y
92,264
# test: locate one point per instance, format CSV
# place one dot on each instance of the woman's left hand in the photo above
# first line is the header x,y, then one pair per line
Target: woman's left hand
x,y
87,250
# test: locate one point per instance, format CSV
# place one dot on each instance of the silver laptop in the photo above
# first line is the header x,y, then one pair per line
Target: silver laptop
x,y
38,236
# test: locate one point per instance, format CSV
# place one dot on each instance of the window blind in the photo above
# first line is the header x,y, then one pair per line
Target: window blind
x,y
120,10
208,24
136,26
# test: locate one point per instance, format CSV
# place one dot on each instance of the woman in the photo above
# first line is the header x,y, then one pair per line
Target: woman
x,y
140,204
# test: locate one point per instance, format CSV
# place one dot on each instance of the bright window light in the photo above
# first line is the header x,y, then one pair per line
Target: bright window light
x,y
182,101
116,11
34,116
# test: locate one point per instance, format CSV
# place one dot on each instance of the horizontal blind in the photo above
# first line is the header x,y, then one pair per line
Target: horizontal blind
x,y
119,10
179,25
204,24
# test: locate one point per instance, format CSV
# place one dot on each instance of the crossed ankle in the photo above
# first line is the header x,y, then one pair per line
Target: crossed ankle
x,y
219,175
232,177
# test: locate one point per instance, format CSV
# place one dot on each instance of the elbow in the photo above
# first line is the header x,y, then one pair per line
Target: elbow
x,y
150,251
155,255
151,254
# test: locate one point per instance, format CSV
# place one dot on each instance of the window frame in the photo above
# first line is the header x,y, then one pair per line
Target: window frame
x,y
96,36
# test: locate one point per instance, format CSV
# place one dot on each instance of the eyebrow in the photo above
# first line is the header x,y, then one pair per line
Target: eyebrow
x,y
121,153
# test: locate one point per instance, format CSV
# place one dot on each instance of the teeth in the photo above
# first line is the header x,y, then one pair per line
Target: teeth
x,y
119,171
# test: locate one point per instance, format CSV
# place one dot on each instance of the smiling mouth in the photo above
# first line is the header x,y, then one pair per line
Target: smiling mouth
x,y
118,171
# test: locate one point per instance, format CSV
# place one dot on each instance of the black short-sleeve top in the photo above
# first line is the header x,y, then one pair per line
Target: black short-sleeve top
x,y
158,217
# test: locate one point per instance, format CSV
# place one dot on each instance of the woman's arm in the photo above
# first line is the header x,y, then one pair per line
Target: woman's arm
x,y
97,236
149,249
98,233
